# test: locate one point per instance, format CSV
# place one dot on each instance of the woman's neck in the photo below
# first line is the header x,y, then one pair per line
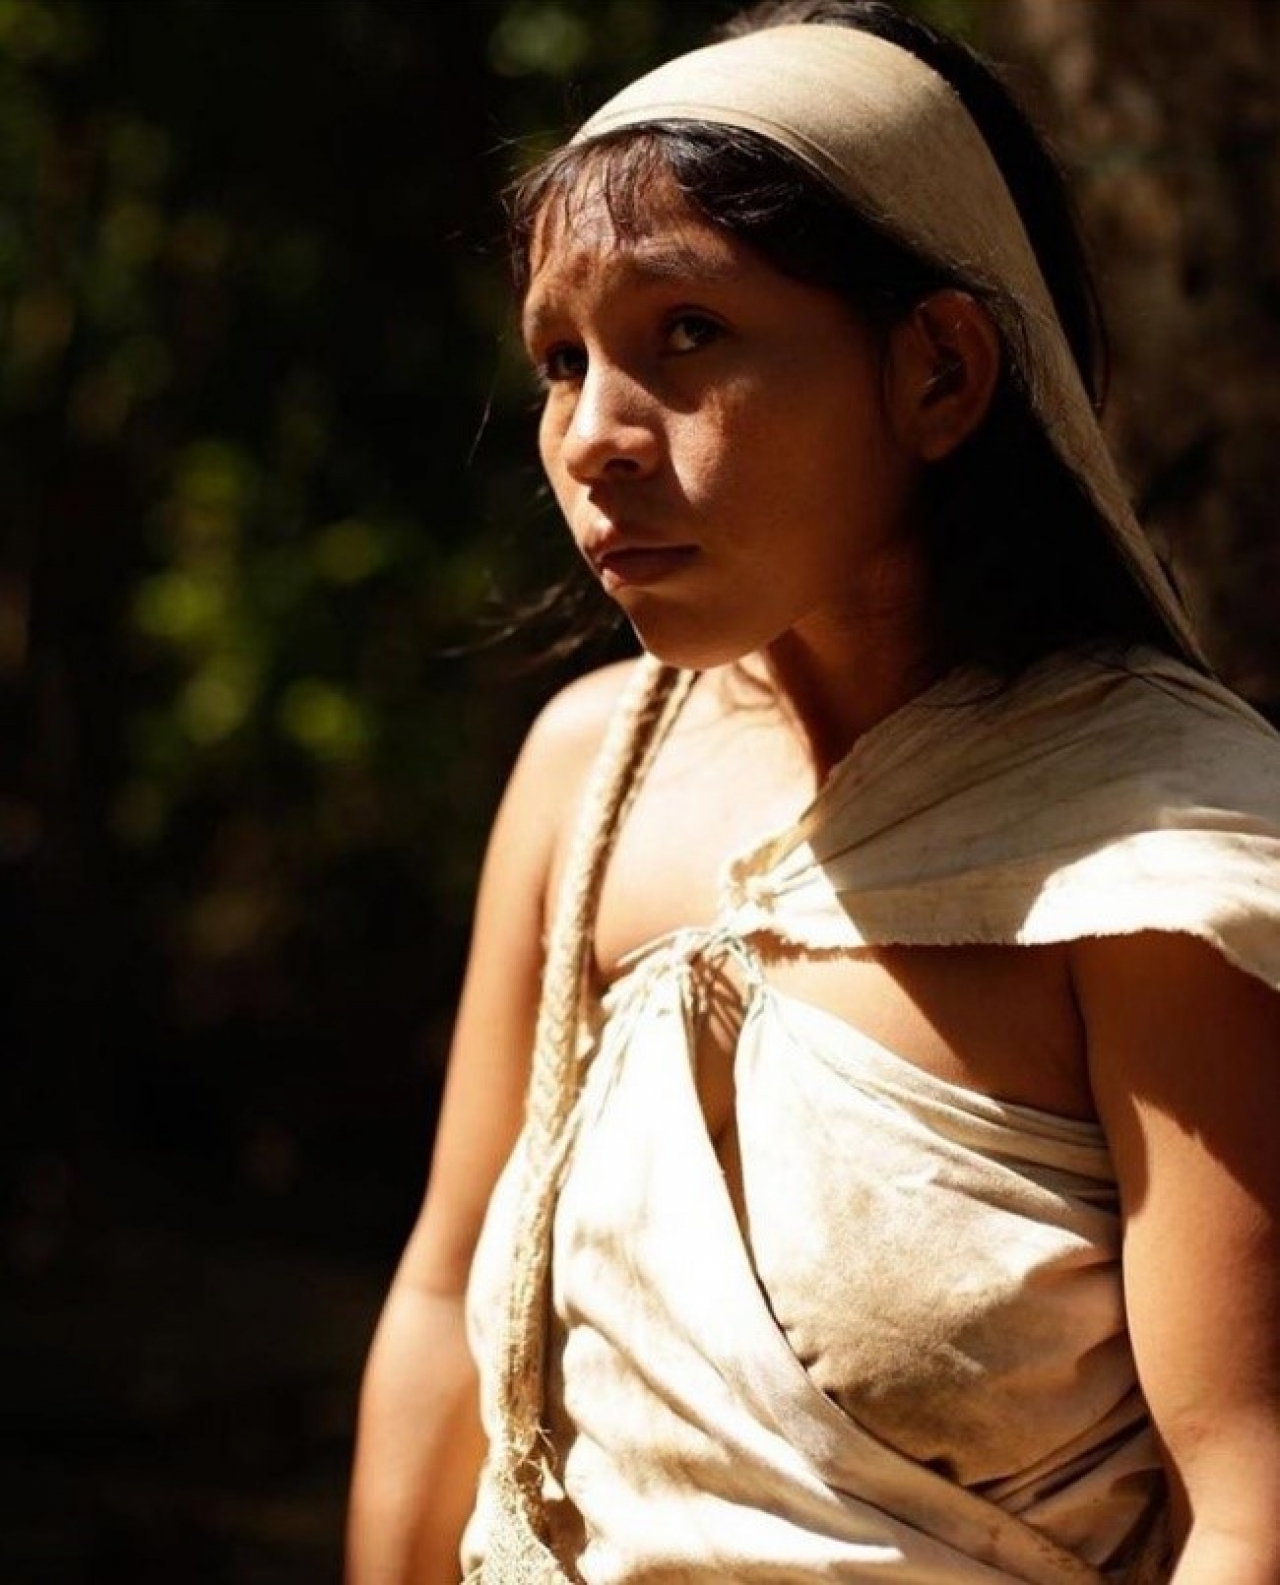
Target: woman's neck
x,y
833,692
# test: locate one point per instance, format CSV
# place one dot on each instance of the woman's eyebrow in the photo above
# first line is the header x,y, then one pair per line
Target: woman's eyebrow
x,y
645,262
665,258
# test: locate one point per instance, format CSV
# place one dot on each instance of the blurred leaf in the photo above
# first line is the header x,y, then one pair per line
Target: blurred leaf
x,y
350,551
539,36
217,699
179,606
44,32
323,719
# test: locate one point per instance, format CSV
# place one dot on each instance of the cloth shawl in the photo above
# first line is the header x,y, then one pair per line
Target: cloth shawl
x,y
1090,799
1095,800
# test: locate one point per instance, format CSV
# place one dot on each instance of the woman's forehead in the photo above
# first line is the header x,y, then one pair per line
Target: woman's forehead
x,y
660,234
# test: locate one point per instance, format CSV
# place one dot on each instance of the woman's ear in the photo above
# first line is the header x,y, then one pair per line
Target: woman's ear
x,y
944,364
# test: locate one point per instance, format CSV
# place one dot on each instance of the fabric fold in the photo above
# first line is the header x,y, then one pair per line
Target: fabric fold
x,y
1090,800
904,1354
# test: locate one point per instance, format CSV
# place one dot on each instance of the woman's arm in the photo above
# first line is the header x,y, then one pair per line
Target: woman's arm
x,y
1184,1053
419,1443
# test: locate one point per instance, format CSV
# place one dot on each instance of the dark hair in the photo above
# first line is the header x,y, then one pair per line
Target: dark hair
x,y
1021,563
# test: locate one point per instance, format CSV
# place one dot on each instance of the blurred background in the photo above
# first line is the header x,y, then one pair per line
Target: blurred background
x,y
267,489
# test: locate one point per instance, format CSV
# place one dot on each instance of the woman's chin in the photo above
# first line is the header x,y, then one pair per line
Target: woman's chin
x,y
690,651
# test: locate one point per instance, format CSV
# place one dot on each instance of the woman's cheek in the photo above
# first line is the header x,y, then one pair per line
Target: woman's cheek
x,y
714,448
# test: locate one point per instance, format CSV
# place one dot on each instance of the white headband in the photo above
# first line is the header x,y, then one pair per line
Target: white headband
x,y
892,136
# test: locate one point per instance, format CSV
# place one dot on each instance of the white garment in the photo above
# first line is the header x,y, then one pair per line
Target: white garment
x,y
916,1365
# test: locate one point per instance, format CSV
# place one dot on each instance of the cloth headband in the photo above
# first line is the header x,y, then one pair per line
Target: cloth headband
x,y
892,136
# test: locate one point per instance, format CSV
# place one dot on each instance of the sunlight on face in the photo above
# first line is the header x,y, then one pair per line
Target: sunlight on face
x,y
714,433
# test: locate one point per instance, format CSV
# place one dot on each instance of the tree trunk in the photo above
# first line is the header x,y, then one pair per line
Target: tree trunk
x,y
1167,116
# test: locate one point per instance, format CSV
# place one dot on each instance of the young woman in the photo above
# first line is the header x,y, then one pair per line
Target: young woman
x,y
894,949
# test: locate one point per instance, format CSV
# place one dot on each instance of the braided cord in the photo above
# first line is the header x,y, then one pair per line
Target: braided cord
x,y
648,707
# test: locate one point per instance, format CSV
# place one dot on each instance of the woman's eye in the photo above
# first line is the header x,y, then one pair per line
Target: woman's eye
x,y
688,332
561,363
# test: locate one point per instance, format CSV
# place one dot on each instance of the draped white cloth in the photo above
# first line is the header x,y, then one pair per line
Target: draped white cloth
x,y
1091,801
908,1359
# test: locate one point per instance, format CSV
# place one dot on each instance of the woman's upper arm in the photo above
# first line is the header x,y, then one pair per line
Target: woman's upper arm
x,y
1184,1051
493,1035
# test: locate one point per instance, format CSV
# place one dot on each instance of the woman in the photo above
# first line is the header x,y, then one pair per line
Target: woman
x,y
911,1213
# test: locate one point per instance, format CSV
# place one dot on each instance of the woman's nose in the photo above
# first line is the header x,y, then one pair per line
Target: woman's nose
x,y
613,428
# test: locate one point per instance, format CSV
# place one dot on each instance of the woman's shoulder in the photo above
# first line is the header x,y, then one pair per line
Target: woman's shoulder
x,y
573,721
1142,719
550,777
567,733
546,784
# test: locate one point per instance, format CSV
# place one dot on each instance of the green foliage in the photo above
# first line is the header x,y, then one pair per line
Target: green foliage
x,y
290,573
269,453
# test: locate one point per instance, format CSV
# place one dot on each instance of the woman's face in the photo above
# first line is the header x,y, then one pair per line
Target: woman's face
x,y
716,435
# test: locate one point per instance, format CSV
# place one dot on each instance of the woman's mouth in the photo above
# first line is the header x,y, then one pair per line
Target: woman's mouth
x,y
640,567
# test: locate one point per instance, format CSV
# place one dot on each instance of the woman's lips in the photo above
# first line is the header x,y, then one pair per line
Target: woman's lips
x,y
638,568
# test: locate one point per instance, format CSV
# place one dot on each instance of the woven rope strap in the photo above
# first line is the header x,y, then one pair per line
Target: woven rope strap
x,y
516,1552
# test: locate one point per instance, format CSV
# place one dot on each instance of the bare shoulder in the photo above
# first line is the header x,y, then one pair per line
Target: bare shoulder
x,y
1182,968
1178,987
561,747
1183,1049
543,789
494,1033
1173,1025
572,723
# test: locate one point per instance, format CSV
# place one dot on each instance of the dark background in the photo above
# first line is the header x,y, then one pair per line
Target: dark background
x,y
267,496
